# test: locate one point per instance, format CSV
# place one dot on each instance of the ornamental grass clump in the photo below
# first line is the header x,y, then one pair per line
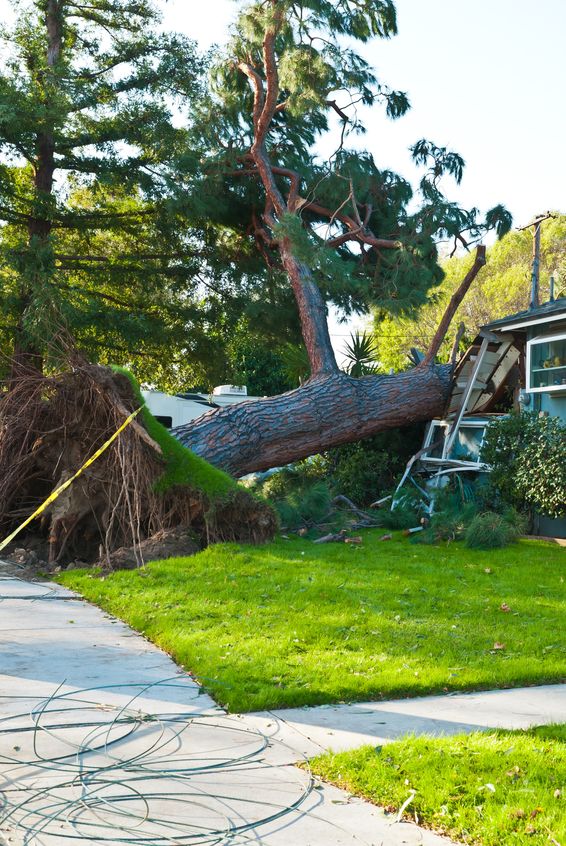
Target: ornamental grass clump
x,y
490,531
304,507
448,523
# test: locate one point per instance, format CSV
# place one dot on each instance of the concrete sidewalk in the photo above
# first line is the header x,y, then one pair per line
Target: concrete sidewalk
x,y
311,731
103,740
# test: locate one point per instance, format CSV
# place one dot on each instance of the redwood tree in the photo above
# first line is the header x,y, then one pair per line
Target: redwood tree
x,y
340,230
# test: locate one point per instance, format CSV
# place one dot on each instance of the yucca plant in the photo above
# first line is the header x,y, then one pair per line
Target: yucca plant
x,y
360,354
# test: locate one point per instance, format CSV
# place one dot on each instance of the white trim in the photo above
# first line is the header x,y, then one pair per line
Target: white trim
x,y
435,422
467,421
455,462
532,322
473,422
545,389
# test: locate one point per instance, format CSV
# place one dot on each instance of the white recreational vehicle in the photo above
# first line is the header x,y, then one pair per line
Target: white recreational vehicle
x,y
176,410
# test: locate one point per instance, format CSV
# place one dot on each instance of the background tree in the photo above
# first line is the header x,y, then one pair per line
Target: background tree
x,y
339,230
96,104
259,366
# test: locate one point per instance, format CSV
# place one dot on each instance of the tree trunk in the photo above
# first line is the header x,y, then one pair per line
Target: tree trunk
x,y
327,411
312,312
331,408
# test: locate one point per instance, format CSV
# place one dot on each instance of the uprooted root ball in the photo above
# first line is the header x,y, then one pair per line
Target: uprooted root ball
x,y
50,425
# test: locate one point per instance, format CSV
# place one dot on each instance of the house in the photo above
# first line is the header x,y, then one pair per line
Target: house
x,y
540,335
522,358
483,378
178,409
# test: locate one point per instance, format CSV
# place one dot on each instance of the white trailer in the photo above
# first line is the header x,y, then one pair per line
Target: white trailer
x,y
179,409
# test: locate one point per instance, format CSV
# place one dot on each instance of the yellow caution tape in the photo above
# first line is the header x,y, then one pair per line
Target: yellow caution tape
x,y
53,496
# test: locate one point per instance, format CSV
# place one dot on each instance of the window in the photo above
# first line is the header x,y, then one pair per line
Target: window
x,y
546,364
467,444
435,439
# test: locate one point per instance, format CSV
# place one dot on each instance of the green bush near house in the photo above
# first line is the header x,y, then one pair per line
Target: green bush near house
x,y
496,788
366,470
527,456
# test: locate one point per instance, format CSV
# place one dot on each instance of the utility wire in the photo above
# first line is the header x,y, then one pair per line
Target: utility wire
x,y
136,777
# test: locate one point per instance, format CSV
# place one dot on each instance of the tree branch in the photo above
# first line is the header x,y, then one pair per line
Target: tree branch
x,y
131,256
89,292
356,232
452,307
272,79
334,105
257,86
457,338
265,103
12,216
295,181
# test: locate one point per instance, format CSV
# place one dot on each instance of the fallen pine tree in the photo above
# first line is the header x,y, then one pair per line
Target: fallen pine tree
x,y
329,410
337,230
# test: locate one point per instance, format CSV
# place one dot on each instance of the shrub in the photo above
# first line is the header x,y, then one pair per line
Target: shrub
x,y
297,476
406,514
527,456
365,470
490,531
304,506
362,471
455,507
448,523
280,484
300,493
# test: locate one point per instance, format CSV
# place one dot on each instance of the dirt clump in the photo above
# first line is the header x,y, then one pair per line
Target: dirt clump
x,y
167,543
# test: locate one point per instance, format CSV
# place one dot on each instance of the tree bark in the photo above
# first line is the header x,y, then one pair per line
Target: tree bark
x,y
327,411
312,313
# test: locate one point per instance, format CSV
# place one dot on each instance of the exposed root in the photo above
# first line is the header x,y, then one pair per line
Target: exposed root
x,y
49,426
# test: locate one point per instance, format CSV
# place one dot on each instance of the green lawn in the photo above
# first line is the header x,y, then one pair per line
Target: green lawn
x,y
294,623
497,788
